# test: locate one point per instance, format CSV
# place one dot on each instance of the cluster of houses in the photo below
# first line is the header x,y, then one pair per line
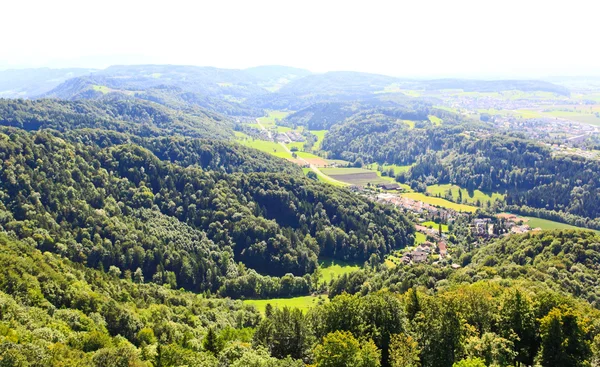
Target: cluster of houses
x,y
515,224
288,137
417,207
421,253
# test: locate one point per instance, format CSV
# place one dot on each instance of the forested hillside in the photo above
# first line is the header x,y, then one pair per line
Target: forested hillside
x,y
56,313
526,170
324,115
138,228
119,114
474,157
98,205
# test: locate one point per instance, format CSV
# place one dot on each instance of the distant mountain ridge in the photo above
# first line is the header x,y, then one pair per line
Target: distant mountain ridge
x,y
28,83
234,92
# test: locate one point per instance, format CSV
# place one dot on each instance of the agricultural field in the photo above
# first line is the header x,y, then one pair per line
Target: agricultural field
x,y
420,238
313,159
589,114
303,303
432,200
355,176
324,178
534,222
527,114
331,269
468,198
434,225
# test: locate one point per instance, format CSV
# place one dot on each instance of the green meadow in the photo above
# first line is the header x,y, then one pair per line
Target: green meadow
x,y
534,222
435,120
320,134
468,198
440,202
272,116
270,147
434,225
420,238
304,302
331,269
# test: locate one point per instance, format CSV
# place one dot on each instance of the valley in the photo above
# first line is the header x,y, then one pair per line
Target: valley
x,y
175,214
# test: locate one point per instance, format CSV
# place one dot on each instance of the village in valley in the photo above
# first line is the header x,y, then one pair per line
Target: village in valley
x,y
435,230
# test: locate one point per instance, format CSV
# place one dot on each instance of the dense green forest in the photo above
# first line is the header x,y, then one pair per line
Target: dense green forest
x,y
97,206
134,230
55,312
527,171
118,114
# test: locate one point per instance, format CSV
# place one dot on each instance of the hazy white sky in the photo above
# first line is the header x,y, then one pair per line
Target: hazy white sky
x,y
403,38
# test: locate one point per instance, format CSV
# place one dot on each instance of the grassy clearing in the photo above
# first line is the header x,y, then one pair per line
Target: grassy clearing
x,y
282,129
534,222
272,116
266,146
528,114
434,225
101,88
297,144
440,202
420,238
410,123
324,178
397,169
468,198
303,302
320,134
331,269
435,120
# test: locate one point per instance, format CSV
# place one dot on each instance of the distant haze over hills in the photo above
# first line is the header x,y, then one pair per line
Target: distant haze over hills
x,y
232,85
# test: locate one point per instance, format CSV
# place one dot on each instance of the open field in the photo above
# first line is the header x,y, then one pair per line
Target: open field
x,y
331,269
266,146
468,198
283,129
313,159
435,120
298,144
355,176
586,114
324,178
440,202
434,225
534,222
272,116
419,238
320,134
339,162
303,302
410,123
397,169
101,88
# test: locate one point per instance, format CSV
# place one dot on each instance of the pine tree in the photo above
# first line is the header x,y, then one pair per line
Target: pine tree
x,y
211,342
